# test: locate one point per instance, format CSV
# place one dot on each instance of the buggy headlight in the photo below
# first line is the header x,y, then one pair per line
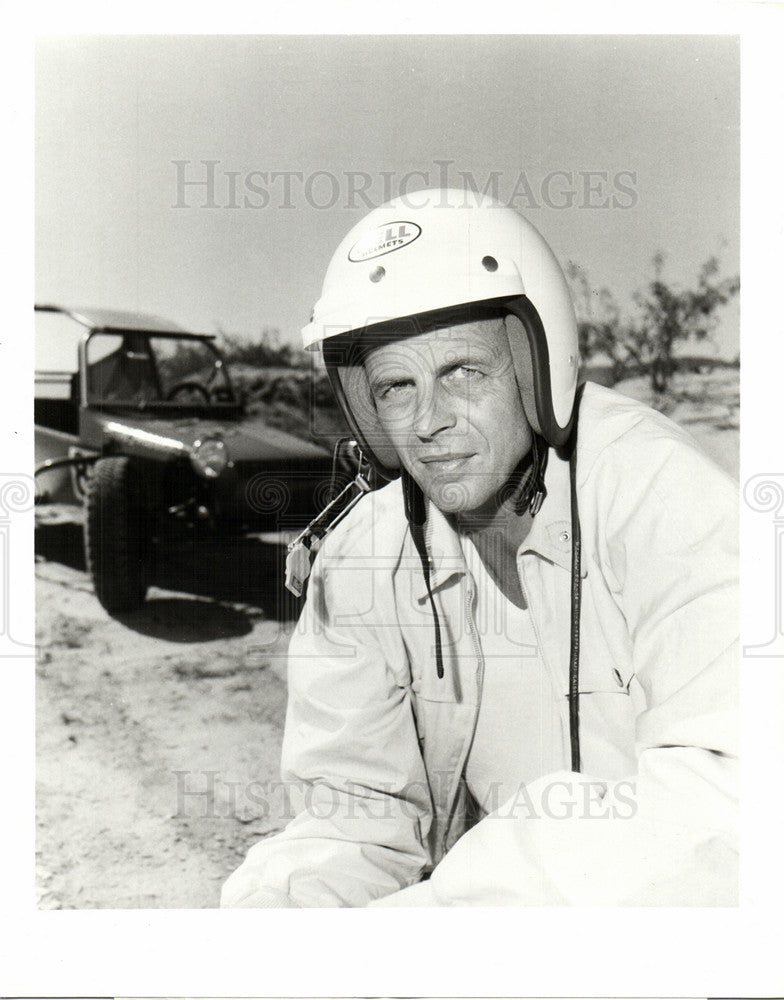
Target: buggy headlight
x,y
209,457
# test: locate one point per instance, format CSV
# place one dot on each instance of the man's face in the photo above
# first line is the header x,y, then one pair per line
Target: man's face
x,y
449,401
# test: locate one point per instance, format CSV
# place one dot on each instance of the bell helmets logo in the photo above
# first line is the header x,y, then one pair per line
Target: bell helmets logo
x,y
384,239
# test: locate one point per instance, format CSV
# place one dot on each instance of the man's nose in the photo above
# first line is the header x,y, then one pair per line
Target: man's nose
x,y
435,412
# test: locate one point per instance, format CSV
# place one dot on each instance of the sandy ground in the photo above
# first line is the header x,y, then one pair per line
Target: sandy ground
x,y
158,734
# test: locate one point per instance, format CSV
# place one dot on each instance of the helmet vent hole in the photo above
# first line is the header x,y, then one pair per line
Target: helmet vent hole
x,y
377,274
490,264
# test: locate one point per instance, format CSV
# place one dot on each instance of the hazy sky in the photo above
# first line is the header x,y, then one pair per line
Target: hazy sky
x,y
614,146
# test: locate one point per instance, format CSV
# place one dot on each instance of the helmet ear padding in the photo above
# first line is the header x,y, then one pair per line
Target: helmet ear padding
x,y
352,390
520,349
528,344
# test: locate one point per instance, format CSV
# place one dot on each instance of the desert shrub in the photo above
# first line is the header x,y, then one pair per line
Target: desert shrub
x,y
280,386
666,315
264,352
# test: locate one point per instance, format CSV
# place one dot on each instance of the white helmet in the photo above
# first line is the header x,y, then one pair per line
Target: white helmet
x,y
443,256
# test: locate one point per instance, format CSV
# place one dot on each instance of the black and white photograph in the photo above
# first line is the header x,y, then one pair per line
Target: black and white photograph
x,y
385,511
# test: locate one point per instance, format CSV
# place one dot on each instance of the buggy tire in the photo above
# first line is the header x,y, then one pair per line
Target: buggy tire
x,y
114,535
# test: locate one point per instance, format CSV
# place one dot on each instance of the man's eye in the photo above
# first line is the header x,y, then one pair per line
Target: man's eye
x,y
464,373
391,389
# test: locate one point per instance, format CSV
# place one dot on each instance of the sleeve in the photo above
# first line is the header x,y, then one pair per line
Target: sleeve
x,y
667,835
351,758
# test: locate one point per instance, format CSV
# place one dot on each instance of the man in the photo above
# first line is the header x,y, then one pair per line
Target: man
x,y
513,679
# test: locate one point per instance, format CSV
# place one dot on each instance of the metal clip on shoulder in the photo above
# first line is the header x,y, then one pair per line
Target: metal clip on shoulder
x,y
306,544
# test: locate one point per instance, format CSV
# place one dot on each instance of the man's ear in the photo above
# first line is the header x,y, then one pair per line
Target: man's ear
x,y
520,350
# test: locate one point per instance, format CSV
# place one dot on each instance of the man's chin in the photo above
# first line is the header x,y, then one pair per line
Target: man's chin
x,y
452,496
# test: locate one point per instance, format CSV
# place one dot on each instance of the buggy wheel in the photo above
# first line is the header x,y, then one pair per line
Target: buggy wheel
x,y
114,535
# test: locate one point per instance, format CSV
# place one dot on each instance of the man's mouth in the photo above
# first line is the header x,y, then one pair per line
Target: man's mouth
x,y
446,461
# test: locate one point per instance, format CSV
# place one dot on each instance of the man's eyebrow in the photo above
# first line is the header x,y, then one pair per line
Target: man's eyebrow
x,y
455,361
472,359
384,379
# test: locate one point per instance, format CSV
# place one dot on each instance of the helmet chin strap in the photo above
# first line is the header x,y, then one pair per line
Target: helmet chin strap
x,y
576,595
530,490
416,515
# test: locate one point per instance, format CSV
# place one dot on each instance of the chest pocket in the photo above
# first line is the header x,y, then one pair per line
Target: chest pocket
x,y
606,648
459,649
599,676
609,692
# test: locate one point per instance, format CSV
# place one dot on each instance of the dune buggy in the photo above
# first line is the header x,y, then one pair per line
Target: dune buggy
x,y
138,420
